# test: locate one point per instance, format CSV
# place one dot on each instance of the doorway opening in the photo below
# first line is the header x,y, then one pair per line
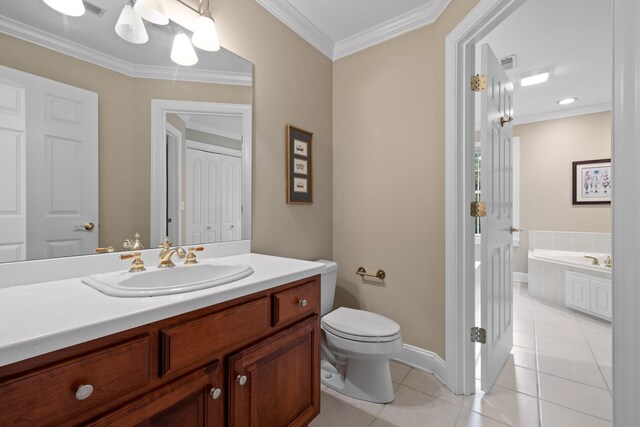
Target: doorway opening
x,y
460,251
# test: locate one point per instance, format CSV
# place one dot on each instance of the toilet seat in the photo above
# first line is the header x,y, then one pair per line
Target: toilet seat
x,y
360,325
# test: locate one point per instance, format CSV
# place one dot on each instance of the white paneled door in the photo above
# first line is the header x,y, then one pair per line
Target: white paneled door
x,y
231,195
13,187
61,166
214,197
497,193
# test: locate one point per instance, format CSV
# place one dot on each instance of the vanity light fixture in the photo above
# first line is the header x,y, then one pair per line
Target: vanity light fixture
x,y
534,78
67,7
567,101
154,11
205,36
130,26
182,52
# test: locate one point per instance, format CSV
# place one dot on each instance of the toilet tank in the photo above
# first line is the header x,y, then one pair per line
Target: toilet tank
x,y
328,285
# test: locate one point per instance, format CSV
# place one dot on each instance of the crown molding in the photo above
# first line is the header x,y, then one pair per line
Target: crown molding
x,y
401,24
292,18
561,114
58,44
408,21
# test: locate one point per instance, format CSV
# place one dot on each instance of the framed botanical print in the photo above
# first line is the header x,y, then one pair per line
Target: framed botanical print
x,y
592,182
299,166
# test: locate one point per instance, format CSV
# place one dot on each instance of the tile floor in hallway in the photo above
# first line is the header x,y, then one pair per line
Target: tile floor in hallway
x,y
559,375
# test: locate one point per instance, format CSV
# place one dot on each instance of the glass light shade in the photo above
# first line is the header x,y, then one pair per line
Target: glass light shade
x,y
154,11
130,26
206,37
67,7
182,52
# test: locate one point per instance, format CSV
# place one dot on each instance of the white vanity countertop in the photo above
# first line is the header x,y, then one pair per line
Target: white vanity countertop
x,y
39,318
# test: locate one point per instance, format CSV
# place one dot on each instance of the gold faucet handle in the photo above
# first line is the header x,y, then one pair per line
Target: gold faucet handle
x,y
137,264
191,256
166,243
108,249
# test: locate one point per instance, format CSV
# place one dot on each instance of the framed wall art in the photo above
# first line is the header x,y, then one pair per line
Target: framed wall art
x,y
592,182
299,166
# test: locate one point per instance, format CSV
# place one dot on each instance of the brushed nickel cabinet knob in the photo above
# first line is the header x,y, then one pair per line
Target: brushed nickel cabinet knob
x,y
84,391
215,393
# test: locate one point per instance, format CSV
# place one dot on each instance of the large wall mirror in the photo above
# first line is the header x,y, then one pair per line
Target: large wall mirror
x,y
101,139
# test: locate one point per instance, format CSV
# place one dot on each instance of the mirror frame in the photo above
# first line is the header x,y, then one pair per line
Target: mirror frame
x,y
159,109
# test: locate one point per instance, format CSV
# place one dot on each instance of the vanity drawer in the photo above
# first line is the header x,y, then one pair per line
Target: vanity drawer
x,y
297,302
197,341
48,396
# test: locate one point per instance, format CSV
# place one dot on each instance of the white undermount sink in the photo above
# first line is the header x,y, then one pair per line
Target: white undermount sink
x,y
156,281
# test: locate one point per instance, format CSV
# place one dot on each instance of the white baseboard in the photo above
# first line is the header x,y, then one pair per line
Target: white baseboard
x,y
520,277
424,360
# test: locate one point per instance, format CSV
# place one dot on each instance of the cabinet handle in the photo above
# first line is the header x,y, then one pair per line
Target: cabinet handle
x,y
215,393
241,379
84,391
302,302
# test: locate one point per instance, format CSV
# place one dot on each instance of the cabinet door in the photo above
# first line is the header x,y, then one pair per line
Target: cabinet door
x,y
601,302
577,291
277,382
191,401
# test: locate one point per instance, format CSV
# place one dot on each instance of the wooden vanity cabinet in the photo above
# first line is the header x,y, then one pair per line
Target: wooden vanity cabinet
x,y
275,382
252,361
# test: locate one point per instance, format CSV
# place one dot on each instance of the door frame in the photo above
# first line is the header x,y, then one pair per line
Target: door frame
x,y
459,265
176,136
460,64
159,109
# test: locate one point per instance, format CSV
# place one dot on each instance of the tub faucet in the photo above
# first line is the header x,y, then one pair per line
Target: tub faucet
x,y
167,252
594,259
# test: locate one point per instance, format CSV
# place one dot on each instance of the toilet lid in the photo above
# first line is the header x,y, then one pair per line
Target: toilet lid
x,y
360,325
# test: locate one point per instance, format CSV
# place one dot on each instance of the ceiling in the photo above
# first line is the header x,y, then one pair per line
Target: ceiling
x,y
339,28
574,39
92,38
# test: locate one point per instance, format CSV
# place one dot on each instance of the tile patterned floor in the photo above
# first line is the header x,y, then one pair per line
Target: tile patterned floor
x,y
558,375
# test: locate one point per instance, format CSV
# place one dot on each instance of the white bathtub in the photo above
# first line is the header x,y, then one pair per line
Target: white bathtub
x,y
547,272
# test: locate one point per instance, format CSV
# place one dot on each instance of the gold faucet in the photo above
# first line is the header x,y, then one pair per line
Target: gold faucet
x,y
595,260
191,256
167,252
133,245
608,262
137,264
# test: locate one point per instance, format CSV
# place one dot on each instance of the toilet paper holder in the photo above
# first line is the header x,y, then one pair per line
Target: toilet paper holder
x,y
380,274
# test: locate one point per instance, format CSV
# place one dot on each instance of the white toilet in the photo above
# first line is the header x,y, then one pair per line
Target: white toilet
x,y
356,347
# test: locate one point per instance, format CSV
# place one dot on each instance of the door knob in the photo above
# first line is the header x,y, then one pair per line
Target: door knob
x,y
515,230
89,226
505,120
241,379
215,393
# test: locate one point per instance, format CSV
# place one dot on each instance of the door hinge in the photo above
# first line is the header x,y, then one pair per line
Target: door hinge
x,y
478,335
478,82
478,209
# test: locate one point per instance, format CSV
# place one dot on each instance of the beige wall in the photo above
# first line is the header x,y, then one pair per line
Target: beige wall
x,y
292,85
388,122
547,150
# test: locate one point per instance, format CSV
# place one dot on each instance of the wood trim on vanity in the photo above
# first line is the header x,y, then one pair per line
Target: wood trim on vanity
x,y
176,348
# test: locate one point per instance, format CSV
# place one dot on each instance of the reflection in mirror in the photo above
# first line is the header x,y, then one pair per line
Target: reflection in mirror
x,y
77,136
201,172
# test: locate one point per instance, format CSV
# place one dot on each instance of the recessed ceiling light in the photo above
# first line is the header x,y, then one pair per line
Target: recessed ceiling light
x,y
534,79
567,101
